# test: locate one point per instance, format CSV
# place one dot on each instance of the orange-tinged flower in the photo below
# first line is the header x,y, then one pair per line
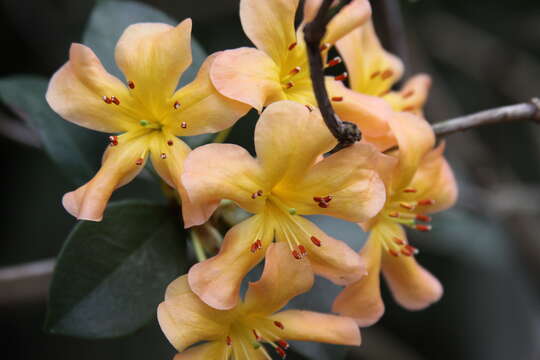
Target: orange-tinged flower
x,y
288,179
247,331
148,111
278,68
422,183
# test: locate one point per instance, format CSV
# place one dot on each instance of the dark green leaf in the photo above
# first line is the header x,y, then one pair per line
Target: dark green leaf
x,y
111,275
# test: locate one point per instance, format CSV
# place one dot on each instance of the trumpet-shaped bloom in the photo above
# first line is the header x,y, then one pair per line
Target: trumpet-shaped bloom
x,y
422,183
278,68
287,179
243,332
145,115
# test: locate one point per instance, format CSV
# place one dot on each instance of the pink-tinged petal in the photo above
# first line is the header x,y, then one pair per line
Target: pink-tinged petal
x,y
289,139
283,278
413,96
211,350
201,108
121,163
77,89
372,70
357,13
330,258
186,320
247,75
412,286
153,56
217,280
222,171
356,190
269,25
362,299
312,326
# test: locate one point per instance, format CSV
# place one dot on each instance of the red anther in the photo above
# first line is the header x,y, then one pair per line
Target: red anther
x,y
295,70
303,250
309,107
163,156
423,218
289,85
183,125
279,325
259,244
424,228
341,76
317,198
334,62
337,98
139,161
385,92
327,198
409,190
131,84
315,241
393,214
387,74
296,255
408,94
254,247
399,241
229,341
115,100
170,143
176,105
393,252
324,47
113,140
281,352
406,206
292,46
375,74
426,202
257,336
106,99
411,249
406,252
259,192
284,345
323,204
408,108
254,196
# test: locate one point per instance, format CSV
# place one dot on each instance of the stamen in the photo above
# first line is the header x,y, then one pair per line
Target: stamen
x,y
408,94
295,71
283,344
323,204
183,125
257,245
131,84
341,77
327,198
317,199
406,252
106,99
254,196
303,250
139,161
337,98
426,202
412,249
289,85
292,46
163,156
386,92
229,341
281,352
393,214
144,122
256,334
259,193
423,228
387,74
309,108
374,75
113,140
170,143
115,100
399,241
423,218
410,190
335,61
408,108
296,255
316,241
406,205
176,105
279,325
393,252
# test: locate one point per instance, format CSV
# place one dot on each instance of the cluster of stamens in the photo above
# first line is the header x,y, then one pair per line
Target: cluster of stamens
x,y
111,100
268,337
323,202
257,194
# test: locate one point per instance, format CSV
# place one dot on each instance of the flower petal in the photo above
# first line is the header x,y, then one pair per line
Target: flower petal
x,y
372,70
362,299
412,286
119,167
247,75
211,350
217,280
413,96
289,139
186,320
202,109
153,56
312,326
222,171
269,25
283,278
357,191
76,93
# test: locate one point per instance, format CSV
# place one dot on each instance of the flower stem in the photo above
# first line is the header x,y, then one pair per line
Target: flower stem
x,y
197,246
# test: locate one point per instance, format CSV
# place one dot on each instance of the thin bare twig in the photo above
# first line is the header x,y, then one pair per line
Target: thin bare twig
x,y
345,132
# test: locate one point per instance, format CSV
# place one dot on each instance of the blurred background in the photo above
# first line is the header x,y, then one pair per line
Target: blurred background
x,y
486,251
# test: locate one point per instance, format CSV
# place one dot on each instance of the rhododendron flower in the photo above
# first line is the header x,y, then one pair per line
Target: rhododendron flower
x,y
147,111
422,183
288,179
247,331
278,69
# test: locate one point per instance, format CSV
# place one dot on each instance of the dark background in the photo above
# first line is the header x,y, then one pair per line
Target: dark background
x,y
486,251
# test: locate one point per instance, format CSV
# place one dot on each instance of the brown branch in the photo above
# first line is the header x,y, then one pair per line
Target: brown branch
x,y
346,133
529,111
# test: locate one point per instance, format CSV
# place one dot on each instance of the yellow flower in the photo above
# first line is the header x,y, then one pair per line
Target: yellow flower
x,y
288,179
422,183
278,69
247,331
149,112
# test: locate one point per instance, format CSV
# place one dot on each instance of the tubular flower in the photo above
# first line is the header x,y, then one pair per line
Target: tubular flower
x,y
288,179
422,183
147,111
247,331
278,68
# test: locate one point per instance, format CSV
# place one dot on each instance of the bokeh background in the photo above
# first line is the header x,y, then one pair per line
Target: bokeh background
x,y
486,251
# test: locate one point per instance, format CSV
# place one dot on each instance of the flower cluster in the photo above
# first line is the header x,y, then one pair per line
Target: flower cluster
x,y
389,181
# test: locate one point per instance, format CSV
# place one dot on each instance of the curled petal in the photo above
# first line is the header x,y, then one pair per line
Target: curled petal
x,y
211,350
202,109
413,96
186,320
121,164
217,280
283,278
247,75
362,299
412,286
76,93
311,326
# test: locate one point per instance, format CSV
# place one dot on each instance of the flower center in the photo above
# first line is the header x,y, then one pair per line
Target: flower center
x,y
255,333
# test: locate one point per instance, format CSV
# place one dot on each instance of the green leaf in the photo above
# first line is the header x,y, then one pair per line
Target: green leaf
x,y
109,20
110,276
74,149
